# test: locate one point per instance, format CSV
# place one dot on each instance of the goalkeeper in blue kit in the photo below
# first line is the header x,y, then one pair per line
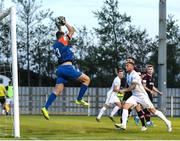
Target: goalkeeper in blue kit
x,y
65,70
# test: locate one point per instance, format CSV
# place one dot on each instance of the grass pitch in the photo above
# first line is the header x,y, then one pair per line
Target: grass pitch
x,y
85,128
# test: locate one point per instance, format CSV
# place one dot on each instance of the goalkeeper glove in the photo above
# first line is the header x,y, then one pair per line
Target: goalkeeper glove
x,y
60,21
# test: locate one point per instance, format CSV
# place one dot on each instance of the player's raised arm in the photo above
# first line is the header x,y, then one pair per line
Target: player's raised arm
x,y
71,30
61,21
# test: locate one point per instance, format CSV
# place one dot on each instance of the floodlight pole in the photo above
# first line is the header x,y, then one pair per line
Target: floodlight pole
x,y
162,56
15,72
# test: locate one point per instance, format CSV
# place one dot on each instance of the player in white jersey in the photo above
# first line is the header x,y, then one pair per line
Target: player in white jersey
x,y
139,96
112,97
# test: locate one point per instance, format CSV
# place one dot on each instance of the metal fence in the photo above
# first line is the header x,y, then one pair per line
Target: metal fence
x,y
33,98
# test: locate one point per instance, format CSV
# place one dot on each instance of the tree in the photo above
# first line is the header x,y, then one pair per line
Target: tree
x,y
84,49
139,46
5,41
173,55
41,55
31,17
111,32
5,48
115,39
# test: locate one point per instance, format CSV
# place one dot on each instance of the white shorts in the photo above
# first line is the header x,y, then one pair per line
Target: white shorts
x,y
111,98
143,100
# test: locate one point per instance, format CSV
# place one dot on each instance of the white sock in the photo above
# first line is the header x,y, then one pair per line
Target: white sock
x,y
162,116
101,112
124,117
114,111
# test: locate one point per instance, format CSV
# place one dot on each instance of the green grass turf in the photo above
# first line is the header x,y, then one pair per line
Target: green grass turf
x,y
85,128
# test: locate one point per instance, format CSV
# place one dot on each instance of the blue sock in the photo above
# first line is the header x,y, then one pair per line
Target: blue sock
x,y
82,91
50,100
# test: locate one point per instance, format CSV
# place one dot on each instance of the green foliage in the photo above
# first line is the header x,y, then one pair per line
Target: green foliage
x,y
115,40
111,33
173,53
98,51
5,48
139,46
34,38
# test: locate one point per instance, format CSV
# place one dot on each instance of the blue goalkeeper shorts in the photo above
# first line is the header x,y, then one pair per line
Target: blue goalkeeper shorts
x,y
66,72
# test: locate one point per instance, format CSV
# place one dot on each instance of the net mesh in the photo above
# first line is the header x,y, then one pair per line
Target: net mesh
x,y
6,116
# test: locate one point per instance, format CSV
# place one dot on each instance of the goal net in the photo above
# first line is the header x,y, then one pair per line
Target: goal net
x,y
10,14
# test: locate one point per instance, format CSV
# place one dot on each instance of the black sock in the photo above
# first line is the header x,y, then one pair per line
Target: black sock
x,y
147,115
120,113
129,111
141,117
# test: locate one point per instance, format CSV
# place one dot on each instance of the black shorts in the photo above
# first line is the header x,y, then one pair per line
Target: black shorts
x,y
2,100
127,95
150,96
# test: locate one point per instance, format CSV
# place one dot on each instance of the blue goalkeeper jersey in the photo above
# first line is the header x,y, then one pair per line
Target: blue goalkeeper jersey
x,y
63,51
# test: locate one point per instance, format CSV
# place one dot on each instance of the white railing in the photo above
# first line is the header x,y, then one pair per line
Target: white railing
x,y
33,98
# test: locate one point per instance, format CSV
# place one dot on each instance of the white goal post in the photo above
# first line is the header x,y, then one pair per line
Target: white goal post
x,y
12,12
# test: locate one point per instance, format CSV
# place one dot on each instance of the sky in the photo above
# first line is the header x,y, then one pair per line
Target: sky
x,y
144,13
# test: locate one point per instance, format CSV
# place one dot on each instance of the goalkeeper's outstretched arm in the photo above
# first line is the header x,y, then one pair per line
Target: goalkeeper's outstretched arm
x,y
61,21
71,30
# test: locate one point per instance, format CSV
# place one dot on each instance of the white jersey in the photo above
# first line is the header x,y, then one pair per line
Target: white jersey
x,y
134,77
111,95
139,94
116,82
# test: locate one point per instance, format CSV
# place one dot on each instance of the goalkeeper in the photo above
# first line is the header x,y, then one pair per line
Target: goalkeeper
x,y
65,70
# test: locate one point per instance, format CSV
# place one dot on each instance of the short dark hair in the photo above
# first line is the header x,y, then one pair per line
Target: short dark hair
x,y
119,69
130,60
59,34
149,66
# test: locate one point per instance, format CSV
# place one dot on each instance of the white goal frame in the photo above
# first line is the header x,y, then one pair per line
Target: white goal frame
x,y
12,12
